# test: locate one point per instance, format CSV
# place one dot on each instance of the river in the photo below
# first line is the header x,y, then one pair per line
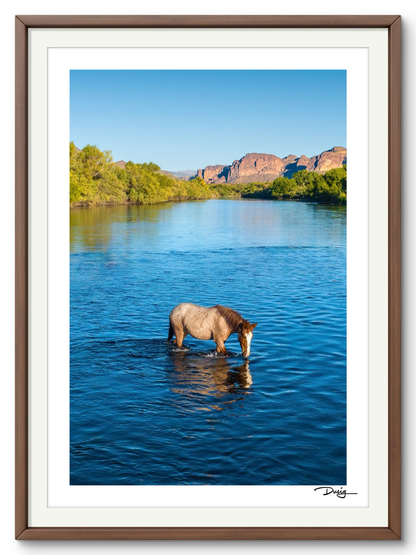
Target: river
x,y
147,413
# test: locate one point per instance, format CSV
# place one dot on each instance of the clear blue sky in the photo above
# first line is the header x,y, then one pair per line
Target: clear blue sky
x,y
190,119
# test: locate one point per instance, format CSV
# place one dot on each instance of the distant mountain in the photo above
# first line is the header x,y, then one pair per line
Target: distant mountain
x,y
266,167
184,174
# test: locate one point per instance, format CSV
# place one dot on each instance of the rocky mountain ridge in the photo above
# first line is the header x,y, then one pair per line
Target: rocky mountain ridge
x,y
267,167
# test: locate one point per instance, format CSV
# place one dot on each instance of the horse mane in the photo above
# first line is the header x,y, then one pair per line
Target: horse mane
x,y
232,317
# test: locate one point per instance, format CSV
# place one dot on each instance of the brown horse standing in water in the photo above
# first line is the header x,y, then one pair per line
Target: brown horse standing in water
x,y
215,322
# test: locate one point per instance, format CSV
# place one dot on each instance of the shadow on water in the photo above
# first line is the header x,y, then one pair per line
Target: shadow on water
x,y
206,373
202,378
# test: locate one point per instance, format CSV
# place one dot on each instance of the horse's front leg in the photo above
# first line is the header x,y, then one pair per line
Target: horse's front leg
x,y
221,347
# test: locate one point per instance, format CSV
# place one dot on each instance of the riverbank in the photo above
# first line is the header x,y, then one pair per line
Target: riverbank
x,y
95,180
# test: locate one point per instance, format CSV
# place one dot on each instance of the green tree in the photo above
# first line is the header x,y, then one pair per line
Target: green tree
x,y
94,177
283,187
338,177
306,182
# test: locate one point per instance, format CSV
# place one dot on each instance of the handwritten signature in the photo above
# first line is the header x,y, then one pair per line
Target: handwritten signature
x,y
341,492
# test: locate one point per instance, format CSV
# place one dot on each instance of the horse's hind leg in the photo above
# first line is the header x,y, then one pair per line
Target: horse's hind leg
x,y
180,336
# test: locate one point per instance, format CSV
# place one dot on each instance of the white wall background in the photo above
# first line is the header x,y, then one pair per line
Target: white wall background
x,y
405,8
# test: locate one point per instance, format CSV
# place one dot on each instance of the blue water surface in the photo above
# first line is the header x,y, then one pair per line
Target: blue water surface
x,y
147,413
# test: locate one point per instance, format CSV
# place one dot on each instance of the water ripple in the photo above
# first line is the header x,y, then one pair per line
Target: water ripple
x,y
145,412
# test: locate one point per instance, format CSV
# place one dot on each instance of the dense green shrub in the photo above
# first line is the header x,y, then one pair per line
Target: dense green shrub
x,y
330,188
96,179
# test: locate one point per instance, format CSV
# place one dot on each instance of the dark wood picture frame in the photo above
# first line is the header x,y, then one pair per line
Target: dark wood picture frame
x,y
393,24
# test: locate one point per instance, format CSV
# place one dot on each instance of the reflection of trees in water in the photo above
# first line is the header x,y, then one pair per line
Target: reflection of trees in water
x,y
323,210
93,226
197,376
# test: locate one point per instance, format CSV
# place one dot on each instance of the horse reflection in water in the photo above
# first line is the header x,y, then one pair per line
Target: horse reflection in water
x,y
201,379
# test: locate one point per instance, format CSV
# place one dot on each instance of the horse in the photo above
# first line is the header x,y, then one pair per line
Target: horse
x,y
214,322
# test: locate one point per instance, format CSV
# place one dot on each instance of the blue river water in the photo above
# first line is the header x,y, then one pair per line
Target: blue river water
x,y
143,412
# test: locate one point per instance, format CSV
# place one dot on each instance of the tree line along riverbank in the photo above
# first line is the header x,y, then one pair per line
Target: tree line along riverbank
x,y
96,180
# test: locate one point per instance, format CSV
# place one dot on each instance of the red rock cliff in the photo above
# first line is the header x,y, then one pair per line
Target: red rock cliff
x,y
266,167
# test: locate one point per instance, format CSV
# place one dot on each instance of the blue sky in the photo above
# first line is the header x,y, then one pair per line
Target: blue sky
x,y
190,119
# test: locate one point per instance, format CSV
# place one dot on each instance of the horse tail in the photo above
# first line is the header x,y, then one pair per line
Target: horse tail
x,y
170,331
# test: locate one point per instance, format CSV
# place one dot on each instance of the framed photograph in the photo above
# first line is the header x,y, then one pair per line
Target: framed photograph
x,y
208,277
